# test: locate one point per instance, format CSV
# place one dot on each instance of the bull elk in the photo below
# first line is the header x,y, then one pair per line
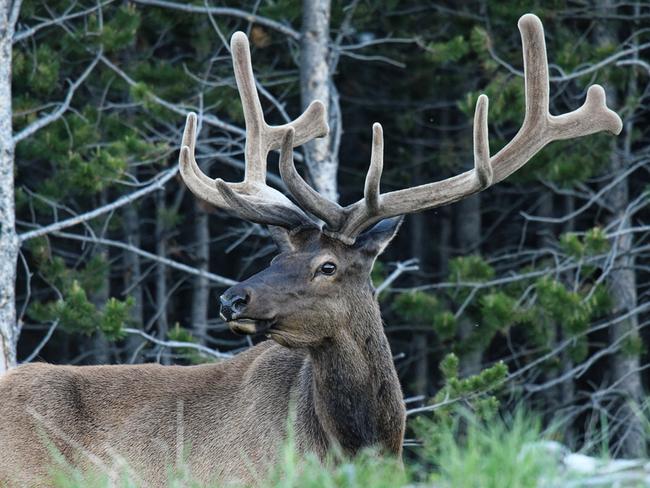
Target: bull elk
x,y
328,356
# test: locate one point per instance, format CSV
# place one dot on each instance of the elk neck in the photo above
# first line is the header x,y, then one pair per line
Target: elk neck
x,y
358,349
354,386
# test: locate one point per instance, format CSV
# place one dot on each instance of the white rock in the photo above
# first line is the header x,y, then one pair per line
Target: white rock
x,y
581,463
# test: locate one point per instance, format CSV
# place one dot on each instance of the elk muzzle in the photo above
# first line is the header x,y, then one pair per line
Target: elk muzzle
x,y
234,304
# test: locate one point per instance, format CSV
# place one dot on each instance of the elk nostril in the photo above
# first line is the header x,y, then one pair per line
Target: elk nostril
x,y
234,302
239,303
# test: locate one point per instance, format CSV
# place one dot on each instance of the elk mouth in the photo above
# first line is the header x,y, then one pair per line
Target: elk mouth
x,y
248,326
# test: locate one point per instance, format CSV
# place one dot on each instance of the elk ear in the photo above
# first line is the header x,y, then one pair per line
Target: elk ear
x,y
376,239
281,237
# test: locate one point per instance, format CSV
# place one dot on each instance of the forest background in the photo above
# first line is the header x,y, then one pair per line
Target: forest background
x,y
535,292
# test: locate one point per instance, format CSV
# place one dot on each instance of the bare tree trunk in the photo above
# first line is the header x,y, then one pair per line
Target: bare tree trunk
x,y
545,230
468,238
625,364
133,277
161,270
625,370
418,250
444,231
98,342
561,394
201,293
316,84
9,246
545,239
568,388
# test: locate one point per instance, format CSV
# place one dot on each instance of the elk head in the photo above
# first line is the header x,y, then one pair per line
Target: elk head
x,y
321,276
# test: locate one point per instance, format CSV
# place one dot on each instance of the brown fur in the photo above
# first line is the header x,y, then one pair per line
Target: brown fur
x,y
227,419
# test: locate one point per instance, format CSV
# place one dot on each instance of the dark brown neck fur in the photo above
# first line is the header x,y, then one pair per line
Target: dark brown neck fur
x,y
354,389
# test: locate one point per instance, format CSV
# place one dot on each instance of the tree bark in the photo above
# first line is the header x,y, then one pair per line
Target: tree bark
x,y
133,278
417,229
625,364
9,245
444,231
201,288
545,238
625,370
561,394
468,238
315,84
568,388
161,270
98,342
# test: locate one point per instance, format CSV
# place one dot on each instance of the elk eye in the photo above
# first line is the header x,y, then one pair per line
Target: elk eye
x,y
328,268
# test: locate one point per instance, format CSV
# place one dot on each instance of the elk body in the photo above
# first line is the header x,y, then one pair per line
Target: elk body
x,y
328,359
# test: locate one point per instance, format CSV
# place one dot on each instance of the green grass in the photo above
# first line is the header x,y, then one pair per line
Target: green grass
x,y
461,453
499,453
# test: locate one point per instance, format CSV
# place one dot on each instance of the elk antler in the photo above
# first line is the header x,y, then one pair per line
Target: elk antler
x,y
253,199
538,129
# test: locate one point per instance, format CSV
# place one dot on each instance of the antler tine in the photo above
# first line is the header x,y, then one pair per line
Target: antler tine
x,y
328,211
538,129
312,123
260,137
189,141
539,126
269,207
193,181
253,116
482,166
371,191
252,199
260,211
199,184
536,81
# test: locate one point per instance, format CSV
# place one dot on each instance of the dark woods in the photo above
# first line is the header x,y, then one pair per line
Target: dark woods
x,y
534,291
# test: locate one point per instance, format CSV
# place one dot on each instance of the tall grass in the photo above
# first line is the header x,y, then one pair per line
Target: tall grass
x,y
463,453
500,453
